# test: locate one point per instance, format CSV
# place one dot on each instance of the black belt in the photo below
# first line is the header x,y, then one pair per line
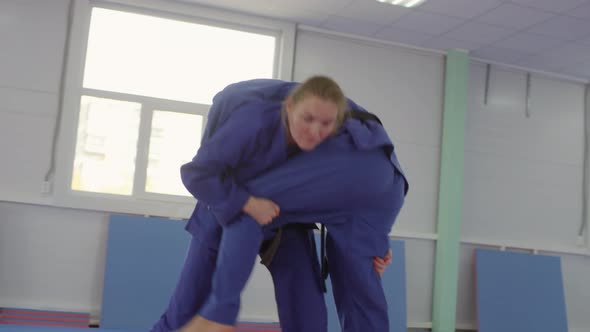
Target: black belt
x,y
269,249
362,116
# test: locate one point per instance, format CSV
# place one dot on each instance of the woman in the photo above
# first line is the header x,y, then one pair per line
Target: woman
x,y
253,127
352,182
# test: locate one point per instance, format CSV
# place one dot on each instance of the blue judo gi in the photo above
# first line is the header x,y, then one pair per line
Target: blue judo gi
x,y
312,187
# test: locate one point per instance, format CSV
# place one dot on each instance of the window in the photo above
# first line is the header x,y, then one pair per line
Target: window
x,y
106,148
170,59
141,84
172,142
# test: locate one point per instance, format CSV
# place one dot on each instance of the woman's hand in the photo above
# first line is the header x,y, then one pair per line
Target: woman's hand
x,y
261,209
380,264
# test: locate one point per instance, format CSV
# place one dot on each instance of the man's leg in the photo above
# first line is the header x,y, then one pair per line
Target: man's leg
x,y
323,182
240,244
192,289
351,246
357,289
295,273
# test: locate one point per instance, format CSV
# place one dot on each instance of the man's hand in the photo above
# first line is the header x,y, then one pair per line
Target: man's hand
x,y
380,264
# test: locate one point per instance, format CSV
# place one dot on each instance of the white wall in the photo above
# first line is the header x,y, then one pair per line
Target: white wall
x,y
51,258
32,38
522,175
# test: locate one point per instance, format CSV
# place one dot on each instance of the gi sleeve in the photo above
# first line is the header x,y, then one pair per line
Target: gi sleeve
x,y
209,177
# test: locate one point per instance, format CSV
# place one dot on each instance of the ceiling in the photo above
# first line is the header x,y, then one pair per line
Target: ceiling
x,y
544,35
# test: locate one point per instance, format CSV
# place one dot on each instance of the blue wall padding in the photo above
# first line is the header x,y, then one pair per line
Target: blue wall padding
x,y
145,257
143,263
394,284
519,292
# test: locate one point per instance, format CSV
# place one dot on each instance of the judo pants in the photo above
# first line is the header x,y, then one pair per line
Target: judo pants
x,y
357,195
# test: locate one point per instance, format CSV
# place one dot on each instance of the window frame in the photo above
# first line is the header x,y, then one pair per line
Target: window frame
x,y
142,202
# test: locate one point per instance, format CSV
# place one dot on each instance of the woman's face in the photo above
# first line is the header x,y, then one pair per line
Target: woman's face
x,y
311,121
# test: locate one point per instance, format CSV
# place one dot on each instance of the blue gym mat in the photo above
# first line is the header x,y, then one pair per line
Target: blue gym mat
x,y
144,253
519,292
144,260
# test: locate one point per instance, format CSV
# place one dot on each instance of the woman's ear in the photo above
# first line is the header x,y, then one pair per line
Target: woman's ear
x,y
288,104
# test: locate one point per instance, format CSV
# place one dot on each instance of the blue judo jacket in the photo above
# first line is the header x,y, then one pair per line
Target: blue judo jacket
x,y
243,138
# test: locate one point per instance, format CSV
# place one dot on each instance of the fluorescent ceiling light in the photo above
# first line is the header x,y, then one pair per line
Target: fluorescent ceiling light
x,y
404,3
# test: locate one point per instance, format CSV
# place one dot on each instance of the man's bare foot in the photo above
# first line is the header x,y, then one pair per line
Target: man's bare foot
x,y
200,324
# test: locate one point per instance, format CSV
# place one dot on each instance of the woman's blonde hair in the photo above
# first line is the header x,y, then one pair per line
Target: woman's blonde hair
x,y
322,87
